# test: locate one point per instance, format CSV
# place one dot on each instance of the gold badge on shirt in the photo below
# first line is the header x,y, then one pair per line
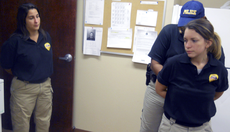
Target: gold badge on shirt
x,y
47,46
213,77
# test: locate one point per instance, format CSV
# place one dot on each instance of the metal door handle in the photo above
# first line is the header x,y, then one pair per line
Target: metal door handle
x,y
68,57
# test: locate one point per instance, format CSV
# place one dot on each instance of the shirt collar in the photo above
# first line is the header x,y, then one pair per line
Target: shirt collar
x,y
40,36
211,60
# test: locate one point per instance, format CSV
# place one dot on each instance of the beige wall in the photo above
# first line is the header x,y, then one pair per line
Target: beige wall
x,y
177,2
109,89
209,3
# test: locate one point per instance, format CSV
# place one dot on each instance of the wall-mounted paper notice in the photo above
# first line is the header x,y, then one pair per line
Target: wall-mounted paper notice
x,y
149,2
92,41
119,38
144,38
147,18
120,14
176,14
94,12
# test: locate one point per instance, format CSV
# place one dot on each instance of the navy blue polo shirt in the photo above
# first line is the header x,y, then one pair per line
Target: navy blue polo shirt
x,y
169,42
190,96
28,60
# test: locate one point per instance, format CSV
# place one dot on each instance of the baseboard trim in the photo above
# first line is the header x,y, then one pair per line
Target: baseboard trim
x,y
79,130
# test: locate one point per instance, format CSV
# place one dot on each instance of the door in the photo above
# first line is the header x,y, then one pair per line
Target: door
x,y
58,17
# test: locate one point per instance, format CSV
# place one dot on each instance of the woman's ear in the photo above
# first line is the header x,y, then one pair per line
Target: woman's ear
x,y
208,43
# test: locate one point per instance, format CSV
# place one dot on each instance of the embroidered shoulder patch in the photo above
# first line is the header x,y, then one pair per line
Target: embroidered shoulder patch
x,y
47,46
213,77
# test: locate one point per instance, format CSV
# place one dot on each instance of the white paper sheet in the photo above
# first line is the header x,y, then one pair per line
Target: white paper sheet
x,y
92,41
119,38
120,14
144,38
147,18
176,14
94,12
149,2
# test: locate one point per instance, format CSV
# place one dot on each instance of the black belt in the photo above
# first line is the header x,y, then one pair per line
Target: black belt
x,y
37,81
184,123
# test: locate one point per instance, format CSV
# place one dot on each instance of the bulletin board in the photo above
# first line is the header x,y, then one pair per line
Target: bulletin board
x,y
136,5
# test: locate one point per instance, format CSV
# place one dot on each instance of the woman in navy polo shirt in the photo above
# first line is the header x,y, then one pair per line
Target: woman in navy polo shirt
x,y
190,82
168,44
27,55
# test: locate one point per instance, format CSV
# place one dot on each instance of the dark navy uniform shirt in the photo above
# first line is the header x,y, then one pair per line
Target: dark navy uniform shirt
x,y
190,96
28,60
169,42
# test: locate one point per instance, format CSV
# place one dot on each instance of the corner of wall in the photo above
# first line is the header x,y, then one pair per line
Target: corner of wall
x,y
169,10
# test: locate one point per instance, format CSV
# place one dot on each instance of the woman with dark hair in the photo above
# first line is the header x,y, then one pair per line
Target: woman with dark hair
x,y
21,20
190,82
27,55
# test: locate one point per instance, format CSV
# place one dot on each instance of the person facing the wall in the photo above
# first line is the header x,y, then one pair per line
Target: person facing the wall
x,y
27,55
168,44
190,82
